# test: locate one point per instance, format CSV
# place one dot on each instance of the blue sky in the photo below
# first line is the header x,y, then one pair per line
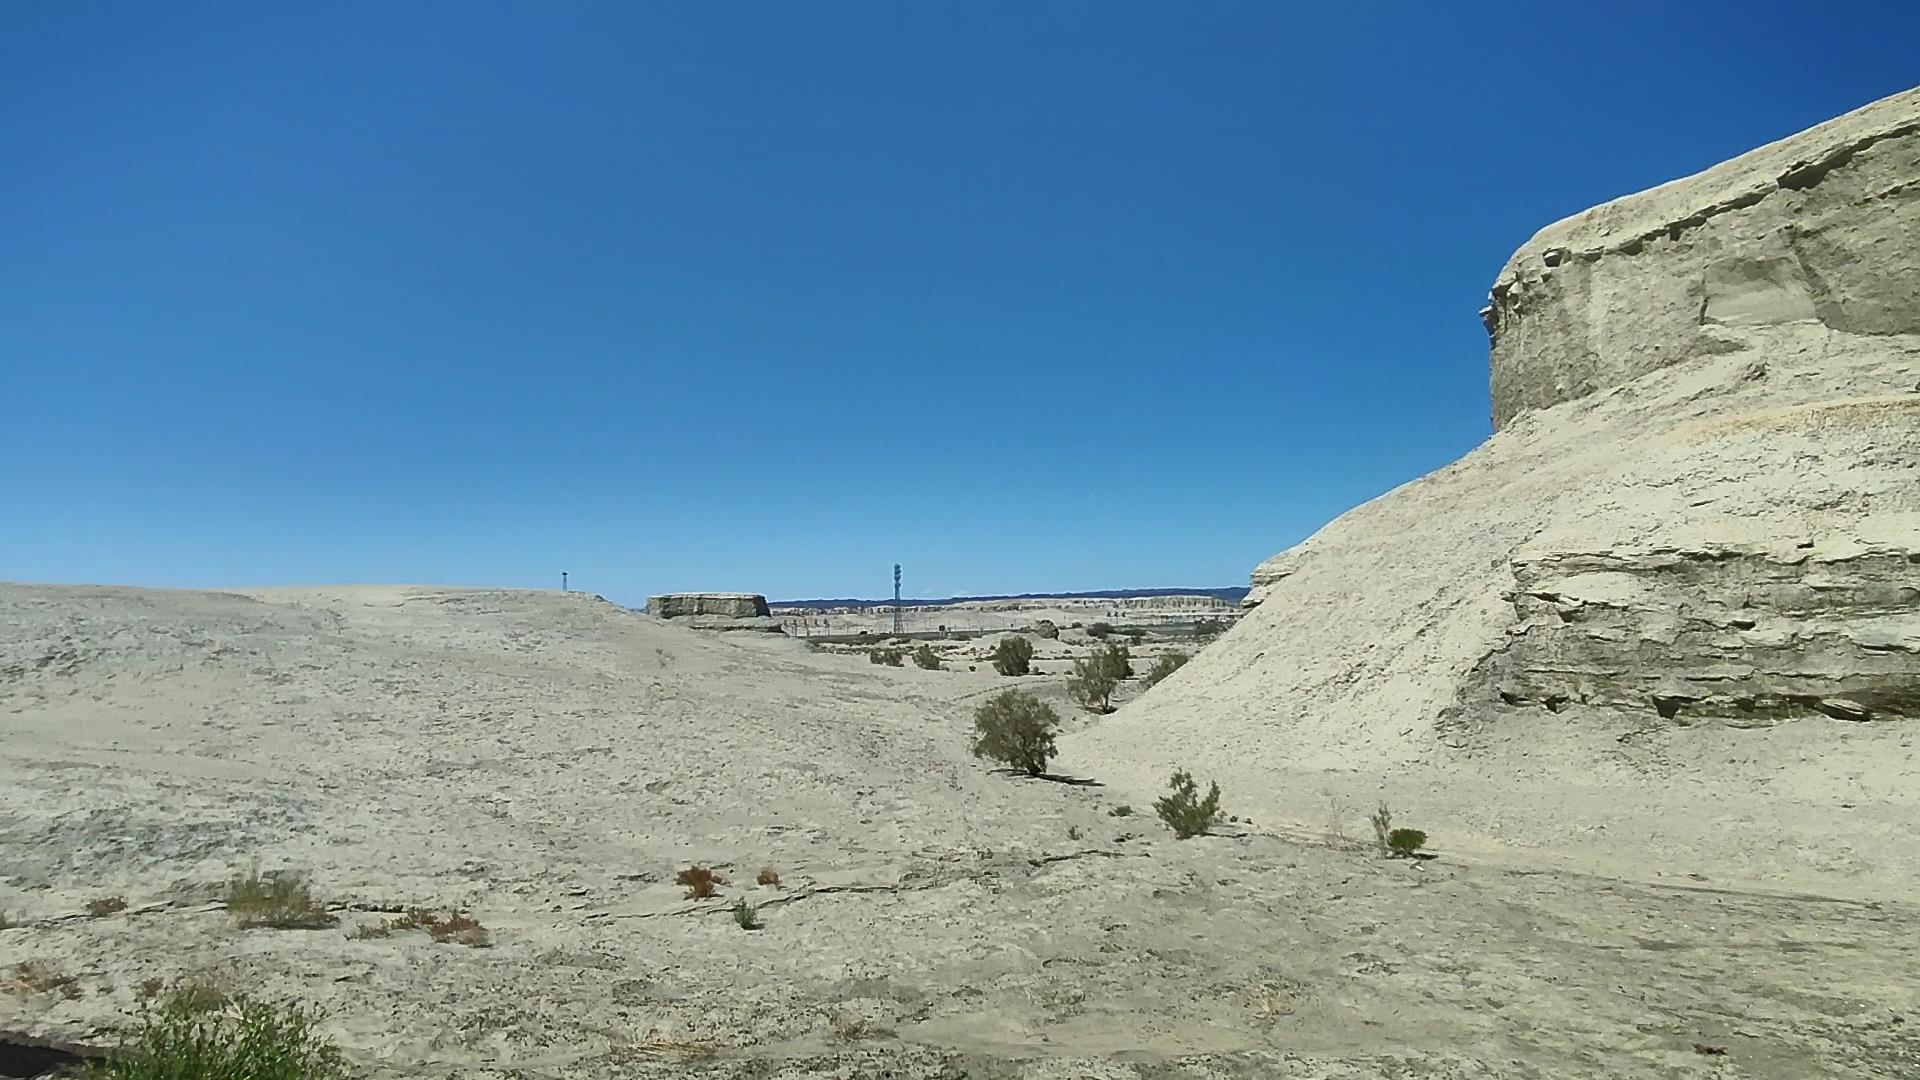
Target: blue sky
x,y
769,296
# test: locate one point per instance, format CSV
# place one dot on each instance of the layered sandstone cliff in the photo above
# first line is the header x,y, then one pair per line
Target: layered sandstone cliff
x,y
1699,516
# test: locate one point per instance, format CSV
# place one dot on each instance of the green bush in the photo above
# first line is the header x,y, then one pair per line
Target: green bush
x,y
1100,630
925,657
1184,811
744,916
1167,664
1016,728
1115,660
1123,810
1406,842
1207,628
1092,684
1045,628
1013,655
178,1039
1136,636
279,900
1382,820
889,657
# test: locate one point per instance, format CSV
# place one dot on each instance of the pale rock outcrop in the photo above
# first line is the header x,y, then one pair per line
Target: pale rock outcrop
x,y
715,611
1689,555
1824,225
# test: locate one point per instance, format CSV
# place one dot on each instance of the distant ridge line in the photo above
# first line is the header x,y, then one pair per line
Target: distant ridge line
x,y
1230,595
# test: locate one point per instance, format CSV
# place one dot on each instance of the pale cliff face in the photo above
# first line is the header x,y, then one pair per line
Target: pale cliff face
x,y
1823,225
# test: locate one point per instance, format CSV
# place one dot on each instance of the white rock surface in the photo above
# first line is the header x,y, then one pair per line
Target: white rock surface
x,y
1616,633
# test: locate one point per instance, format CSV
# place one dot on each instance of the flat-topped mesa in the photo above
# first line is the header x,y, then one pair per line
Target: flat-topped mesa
x,y
715,611
1822,225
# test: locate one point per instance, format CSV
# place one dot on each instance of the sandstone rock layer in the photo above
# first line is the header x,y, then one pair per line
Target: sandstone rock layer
x,y
1681,573
1823,226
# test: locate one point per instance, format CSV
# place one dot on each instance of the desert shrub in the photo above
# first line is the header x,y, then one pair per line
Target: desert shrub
x,y
1123,810
458,928
889,657
1100,630
252,1040
105,906
701,882
1016,728
1136,636
743,915
1406,842
1013,655
1382,820
198,993
279,900
925,657
1207,628
1164,666
1115,660
1092,683
1045,628
1184,811
769,876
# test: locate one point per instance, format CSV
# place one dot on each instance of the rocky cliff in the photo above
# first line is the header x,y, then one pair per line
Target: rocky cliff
x,y
1820,226
1658,600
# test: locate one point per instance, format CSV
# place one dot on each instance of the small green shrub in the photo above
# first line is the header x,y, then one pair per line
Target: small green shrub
x,y
889,657
1115,660
1013,655
279,900
1382,820
925,657
252,1040
1100,630
1044,628
105,906
1164,666
1092,684
1207,628
1184,811
1123,810
1406,842
1016,728
743,915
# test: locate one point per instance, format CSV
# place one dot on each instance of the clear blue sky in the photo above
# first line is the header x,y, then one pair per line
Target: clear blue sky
x,y
768,296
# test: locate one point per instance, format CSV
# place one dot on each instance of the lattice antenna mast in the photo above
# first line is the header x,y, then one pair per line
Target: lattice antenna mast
x,y
896,598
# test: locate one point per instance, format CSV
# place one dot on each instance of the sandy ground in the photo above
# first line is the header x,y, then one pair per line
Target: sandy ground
x,y
547,762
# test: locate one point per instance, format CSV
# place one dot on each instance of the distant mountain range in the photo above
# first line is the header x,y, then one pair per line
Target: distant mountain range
x,y
1231,596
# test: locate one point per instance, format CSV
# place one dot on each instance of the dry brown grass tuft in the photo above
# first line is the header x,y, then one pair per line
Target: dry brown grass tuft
x,y
39,977
105,906
769,876
458,928
280,900
701,882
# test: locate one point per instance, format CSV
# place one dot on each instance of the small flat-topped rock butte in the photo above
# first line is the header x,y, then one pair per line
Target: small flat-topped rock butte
x,y
715,610
1642,666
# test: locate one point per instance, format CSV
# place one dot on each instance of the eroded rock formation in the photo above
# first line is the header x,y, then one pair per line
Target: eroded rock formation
x,y
1818,226
715,611
1698,521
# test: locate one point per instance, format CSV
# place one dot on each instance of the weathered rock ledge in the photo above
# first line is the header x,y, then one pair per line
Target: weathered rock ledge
x,y
1717,622
1823,225
715,611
